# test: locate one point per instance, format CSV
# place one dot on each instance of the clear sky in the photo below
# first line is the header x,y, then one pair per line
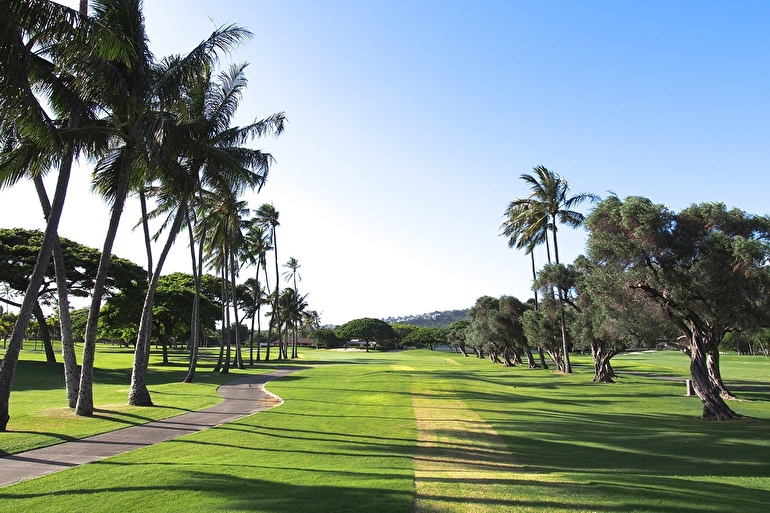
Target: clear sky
x,y
410,123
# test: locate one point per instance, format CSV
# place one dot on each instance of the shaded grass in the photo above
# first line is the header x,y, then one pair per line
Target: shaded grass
x,y
512,440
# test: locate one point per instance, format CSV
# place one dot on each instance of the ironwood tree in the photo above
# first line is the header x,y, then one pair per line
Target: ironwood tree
x,y
705,267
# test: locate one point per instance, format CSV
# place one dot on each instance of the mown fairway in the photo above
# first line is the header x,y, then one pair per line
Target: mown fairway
x,y
427,431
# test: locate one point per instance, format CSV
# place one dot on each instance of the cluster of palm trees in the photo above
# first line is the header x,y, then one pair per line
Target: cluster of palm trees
x,y
530,220
76,86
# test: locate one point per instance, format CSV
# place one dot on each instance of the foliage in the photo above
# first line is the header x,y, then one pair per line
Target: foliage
x,y
368,330
423,337
403,330
496,328
705,268
171,312
456,334
19,249
327,338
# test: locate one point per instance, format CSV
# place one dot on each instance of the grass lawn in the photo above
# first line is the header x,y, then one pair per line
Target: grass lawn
x,y
38,403
427,431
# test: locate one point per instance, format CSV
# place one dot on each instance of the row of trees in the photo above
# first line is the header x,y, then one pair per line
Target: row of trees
x,y
651,276
76,86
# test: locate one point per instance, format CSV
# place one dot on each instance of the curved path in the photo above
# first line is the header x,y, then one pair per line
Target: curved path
x,y
242,397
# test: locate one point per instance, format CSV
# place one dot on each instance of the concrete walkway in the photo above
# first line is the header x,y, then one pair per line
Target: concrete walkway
x,y
242,397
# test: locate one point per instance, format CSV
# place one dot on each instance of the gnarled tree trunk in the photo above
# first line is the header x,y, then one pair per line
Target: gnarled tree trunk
x,y
714,407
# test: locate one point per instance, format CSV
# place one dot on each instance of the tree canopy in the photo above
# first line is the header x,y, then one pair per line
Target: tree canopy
x,y
369,330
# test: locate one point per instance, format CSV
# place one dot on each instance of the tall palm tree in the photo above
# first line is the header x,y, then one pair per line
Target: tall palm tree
x,y
257,247
201,148
129,93
43,48
225,241
526,229
291,274
268,217
547,205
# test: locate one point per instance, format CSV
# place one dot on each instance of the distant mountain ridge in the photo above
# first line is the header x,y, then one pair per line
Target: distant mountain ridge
x,y
431,320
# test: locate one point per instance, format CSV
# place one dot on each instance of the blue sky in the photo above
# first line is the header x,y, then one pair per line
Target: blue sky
x,y
410,123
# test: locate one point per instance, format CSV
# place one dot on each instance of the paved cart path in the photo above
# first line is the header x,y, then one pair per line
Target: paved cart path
x,y
241,398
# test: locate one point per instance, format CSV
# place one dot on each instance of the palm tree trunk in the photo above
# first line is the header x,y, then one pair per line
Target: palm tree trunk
x,y
567,365
146,230
276,310
138,395
195,324
11,358
85,405
71,371
44,335
270,324
228,335
238,360
254,313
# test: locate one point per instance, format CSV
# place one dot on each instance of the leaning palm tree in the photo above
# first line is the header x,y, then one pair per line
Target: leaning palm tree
x,y
201,148
129,93
45,54
268,217
548,205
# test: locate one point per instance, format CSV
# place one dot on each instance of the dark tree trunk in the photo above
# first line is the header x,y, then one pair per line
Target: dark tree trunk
x,y
45,336
531,364
508,361
714,407
195,316
11,358
602,370
715,375
238,359
541,353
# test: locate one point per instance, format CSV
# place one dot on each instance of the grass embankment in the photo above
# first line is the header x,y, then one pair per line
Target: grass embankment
x,y
437,432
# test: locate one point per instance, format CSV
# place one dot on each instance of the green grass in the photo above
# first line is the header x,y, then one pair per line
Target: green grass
x,y
38,403
395,432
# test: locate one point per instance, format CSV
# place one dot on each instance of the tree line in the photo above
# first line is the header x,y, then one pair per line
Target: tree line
x,y
84,85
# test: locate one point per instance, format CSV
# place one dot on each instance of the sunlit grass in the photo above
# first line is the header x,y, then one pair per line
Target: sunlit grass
x,y
410,431
38,403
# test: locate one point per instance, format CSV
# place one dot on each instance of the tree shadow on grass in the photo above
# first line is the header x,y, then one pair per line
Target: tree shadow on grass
x,y
209,491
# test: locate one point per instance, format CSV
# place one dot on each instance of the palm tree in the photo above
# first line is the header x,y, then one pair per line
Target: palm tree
x,y
202,148
292,307
257,247
267,215
42,48
292,275
311,322
129,93
526,229
547,205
